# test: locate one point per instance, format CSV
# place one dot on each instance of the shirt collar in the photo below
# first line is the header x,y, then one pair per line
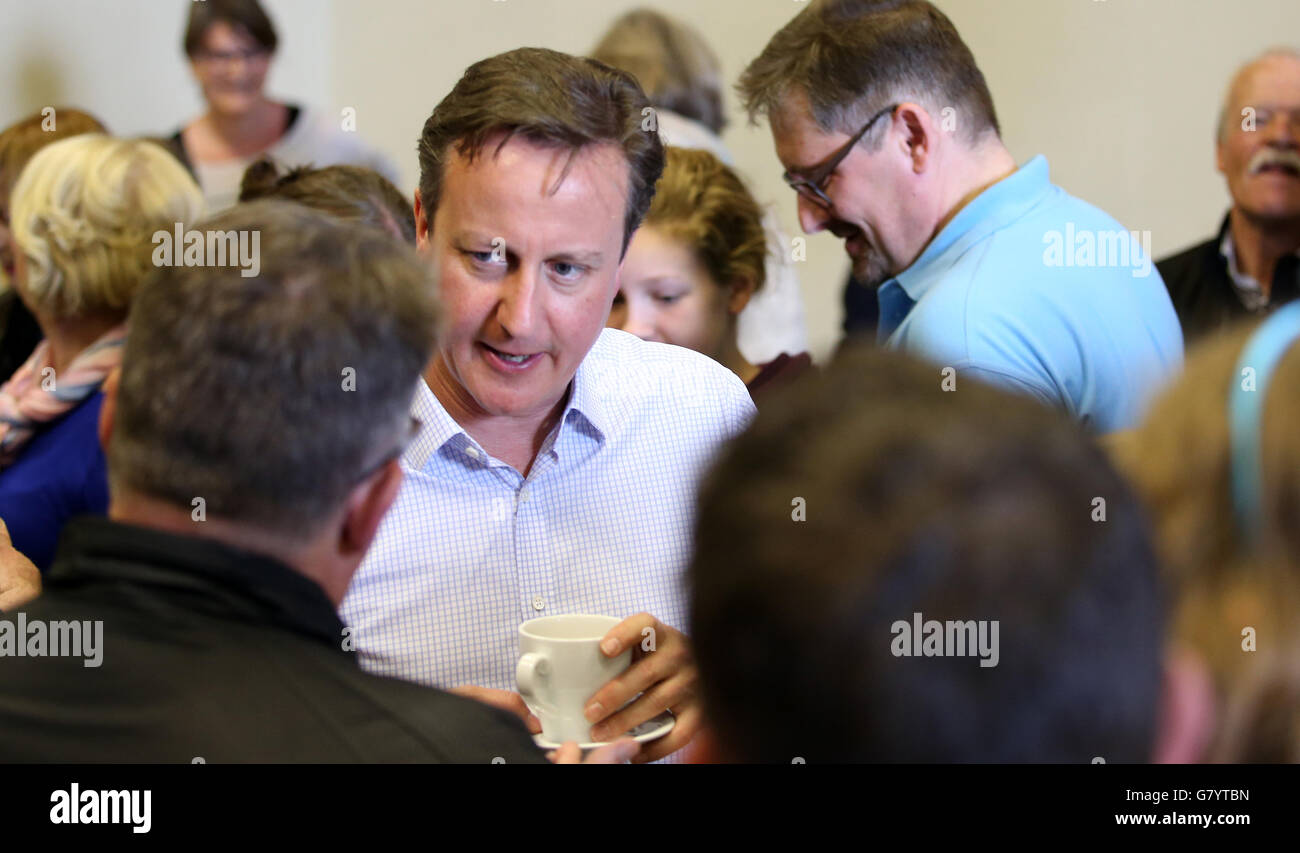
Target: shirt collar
x,y
995,207
440,434
1248,289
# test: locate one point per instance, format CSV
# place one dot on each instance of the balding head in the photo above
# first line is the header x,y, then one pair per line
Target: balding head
x,y
1267,72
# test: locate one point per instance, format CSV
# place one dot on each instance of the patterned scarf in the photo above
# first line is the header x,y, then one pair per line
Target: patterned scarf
x,y
34,395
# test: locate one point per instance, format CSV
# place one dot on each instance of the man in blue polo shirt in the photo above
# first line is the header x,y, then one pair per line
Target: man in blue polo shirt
x,y
888,133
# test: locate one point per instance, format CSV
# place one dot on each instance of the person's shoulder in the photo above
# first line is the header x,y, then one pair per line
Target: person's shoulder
x,y
451,728
646,369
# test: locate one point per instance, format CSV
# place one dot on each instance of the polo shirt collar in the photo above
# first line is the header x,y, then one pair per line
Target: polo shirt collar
x,y
996,207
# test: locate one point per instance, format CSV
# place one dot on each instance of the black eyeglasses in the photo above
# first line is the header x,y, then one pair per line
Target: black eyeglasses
x,y
810,186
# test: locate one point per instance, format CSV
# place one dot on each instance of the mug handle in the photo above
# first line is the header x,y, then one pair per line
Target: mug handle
x,y
530,672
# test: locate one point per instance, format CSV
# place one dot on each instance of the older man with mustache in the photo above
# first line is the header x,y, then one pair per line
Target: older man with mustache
x,y
1253,264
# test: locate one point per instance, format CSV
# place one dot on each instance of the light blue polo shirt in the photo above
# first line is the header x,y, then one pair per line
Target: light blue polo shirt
x,y
1034,290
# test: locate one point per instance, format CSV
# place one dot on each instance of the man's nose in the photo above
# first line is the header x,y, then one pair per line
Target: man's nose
x,y
812,216
516,310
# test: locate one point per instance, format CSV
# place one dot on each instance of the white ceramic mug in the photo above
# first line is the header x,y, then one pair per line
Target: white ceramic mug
x,y
561,667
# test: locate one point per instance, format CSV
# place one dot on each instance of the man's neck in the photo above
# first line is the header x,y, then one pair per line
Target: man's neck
x,y
973,173
1259,244
154,514
515,441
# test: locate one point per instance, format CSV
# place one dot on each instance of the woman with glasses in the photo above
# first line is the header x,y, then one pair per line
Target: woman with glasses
x,y
230,45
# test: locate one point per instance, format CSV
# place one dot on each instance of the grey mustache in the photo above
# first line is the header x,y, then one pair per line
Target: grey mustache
x,y
1273,157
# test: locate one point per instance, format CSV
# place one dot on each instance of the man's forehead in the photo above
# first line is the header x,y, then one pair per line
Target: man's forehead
x,y
602,163
801,143
1273,76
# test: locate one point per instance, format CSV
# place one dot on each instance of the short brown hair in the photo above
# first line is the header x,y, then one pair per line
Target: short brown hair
x,y
350,193
548,98
852,57
236,389
671,61
20,141
246,15
704,204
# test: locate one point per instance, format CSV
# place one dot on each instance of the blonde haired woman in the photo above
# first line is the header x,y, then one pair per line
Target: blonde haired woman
x,y
82,215
1217,463
695,264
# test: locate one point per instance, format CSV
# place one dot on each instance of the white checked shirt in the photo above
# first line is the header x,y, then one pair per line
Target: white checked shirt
x,y
602,524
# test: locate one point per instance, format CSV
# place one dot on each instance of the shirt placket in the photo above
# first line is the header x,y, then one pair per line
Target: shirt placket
x,y
533,551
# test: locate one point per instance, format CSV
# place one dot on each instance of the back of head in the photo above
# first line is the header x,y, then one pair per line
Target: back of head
x,y
350,193
1236,588
83,214
270,397
20,141
704,204
853,57
888,571
551,99
671,61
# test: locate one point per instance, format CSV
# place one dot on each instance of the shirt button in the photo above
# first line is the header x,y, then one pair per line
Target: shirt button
x,y
539,603
523,495
471,453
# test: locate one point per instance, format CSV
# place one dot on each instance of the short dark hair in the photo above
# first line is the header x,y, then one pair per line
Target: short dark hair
x,y
548,98
246,15
971,504
852,57
236,389
350,193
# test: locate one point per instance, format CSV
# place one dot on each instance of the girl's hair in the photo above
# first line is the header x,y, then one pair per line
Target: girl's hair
x,y
703,203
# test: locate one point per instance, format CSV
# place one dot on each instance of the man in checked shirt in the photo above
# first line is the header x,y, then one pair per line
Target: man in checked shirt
x,y
556,466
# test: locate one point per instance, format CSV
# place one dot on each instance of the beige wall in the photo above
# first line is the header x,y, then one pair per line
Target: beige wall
x,y
1120,95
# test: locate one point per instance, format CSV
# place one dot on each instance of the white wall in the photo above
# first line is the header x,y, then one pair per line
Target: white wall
x,y
1121,95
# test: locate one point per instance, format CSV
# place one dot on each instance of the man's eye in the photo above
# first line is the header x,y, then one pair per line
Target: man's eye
x,y
566,270
667,298
488,258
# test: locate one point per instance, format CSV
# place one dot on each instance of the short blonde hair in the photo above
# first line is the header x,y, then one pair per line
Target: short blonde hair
x,y
83,213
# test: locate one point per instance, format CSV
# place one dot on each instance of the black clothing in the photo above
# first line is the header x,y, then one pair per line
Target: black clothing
x,y
1202,291
214,653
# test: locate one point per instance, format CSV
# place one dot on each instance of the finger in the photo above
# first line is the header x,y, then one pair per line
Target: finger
x,y
689,721
4,534
628,634
619,752
674,692
671,658
503,699
568,753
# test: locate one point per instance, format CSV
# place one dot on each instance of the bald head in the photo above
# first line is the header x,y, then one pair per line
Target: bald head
x,y
1274,72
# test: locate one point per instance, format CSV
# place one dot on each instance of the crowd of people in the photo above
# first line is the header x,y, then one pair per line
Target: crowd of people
x,y
311,497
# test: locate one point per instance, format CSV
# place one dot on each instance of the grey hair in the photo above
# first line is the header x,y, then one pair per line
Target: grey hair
x,y
1221,128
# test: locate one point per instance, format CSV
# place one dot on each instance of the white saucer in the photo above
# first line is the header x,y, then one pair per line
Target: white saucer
x,y
652,729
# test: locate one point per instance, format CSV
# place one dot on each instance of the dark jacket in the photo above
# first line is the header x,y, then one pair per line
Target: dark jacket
x,y
212,653
1201,287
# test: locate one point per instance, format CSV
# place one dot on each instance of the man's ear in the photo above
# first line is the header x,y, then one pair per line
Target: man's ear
x,y
1187,714
108,411
918,134
366,507
421,224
